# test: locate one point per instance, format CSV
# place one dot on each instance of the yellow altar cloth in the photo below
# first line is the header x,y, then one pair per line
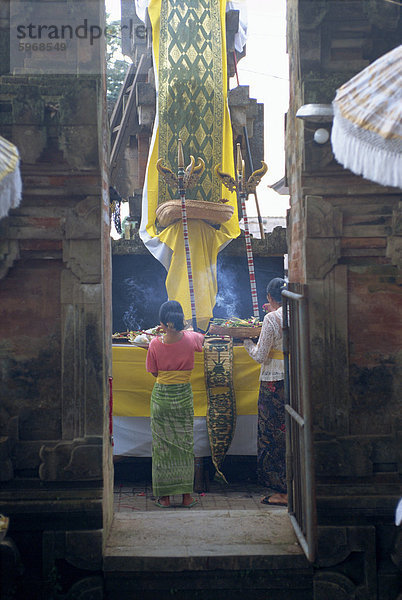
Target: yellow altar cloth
x,y
132,385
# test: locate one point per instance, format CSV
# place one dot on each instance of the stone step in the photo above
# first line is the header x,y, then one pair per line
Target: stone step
x,y
202,555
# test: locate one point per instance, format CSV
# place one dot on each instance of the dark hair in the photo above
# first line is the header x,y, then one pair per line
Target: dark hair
x,y
171,312
275,287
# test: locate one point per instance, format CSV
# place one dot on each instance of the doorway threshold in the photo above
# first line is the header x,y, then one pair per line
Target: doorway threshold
x,y
193,539
205,555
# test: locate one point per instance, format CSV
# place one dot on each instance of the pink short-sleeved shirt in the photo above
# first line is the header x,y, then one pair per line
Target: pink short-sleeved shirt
x,y
174,357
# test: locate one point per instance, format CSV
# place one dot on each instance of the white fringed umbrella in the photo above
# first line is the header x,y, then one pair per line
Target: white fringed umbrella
x,y
367,129
10,177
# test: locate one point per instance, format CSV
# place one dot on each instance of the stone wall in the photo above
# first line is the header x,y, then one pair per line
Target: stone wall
x,y
55,331
344,239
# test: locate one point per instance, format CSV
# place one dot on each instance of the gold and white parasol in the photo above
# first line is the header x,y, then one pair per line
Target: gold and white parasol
x,y
10,177
367,129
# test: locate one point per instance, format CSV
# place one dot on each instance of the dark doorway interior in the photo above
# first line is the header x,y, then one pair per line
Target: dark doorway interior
x,y
235,468
139,288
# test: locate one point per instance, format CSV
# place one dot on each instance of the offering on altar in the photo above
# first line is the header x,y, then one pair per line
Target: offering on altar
x,y
138,338
236,328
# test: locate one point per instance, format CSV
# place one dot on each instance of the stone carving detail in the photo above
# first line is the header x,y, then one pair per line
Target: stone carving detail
x,y
397,220
322,255
7,445
313,15
81,356
83,222
81,549
324,229
322,219
79,144
394,250
316,156
342,551
9,253
350,457
333,586
384,16
79,460
11,568
328,317
83,258
6,466
89,588
394,245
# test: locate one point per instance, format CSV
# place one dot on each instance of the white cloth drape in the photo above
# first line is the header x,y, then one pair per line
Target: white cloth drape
x,y
132,436
10,177
367,129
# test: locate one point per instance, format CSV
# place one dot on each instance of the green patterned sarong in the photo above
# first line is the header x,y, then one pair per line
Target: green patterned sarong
x,y
172,416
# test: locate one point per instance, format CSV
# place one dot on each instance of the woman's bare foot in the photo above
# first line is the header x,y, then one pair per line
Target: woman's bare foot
x,y
276,499
188,500
163,501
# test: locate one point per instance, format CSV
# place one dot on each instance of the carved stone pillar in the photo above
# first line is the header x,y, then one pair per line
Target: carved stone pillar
x,y
347,564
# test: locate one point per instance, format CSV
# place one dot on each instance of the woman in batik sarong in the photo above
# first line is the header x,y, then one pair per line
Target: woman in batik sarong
x,y
171,359
271,442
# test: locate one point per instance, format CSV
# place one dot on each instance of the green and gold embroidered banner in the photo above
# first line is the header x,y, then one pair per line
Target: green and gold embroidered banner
x,y
191,90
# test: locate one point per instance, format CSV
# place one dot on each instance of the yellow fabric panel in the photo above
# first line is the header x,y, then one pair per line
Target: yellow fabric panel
x,y
246,374
132,385
154,11
173,377
205,242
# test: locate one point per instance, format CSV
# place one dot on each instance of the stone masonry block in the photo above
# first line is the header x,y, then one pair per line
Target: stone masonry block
x,y
145,93
240,95
84,222
77,103
79,144
348,457
82,257
81,548
30,141
28,106
76,460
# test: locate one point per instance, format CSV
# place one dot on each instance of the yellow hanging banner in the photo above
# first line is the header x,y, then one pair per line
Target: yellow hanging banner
x,y
189,52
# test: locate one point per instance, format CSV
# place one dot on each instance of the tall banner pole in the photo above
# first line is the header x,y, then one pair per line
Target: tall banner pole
x,y
182,192
250,162
249,251
185,178
244,188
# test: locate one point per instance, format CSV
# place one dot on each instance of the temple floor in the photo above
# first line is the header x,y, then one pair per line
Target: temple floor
x,y
134,497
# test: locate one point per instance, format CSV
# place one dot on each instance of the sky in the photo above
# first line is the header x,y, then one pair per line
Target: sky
x,y
265,70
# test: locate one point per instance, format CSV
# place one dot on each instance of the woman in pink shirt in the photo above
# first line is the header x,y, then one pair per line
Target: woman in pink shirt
x,y
170,359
